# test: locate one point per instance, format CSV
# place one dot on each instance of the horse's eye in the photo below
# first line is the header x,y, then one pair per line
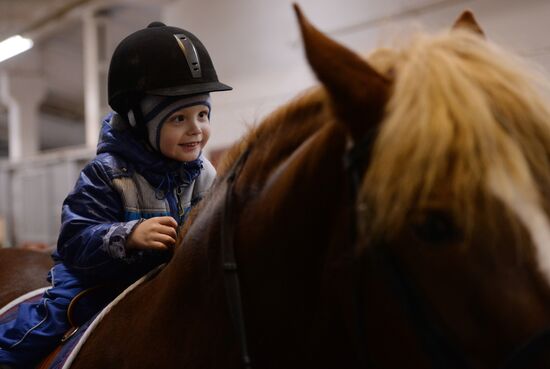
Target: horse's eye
x,y
436,227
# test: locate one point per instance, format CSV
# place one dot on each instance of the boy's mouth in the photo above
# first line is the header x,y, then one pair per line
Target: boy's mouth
x,y
190,145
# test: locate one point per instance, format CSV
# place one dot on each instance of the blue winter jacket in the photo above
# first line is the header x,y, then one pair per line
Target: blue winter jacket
x,y
124,183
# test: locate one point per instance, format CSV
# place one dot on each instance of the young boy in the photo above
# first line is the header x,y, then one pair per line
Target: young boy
x,y
120,221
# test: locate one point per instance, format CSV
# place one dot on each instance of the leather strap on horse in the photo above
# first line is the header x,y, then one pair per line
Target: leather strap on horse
x,y
232,283
355,161
74,327
441,351
523,356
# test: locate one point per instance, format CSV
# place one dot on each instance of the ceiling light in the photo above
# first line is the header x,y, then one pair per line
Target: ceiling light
x,y
13,46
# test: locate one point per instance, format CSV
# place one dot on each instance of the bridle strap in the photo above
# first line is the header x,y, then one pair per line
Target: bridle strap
x,y
359,305
229,262
443,353
354,161
523,355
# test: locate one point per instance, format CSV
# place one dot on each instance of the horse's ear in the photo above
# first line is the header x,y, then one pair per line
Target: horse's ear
x,y
468,21
359,92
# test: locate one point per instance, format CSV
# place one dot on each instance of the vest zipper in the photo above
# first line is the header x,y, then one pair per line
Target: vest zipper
x,y
181,210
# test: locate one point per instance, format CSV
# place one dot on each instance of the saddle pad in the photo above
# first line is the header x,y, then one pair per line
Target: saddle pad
x,y
61,354
64,355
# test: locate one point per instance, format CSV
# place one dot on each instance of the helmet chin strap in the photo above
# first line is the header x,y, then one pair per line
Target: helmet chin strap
x,y
136,120
131,118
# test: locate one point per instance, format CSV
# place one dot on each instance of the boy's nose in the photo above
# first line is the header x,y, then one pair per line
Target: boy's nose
x,y
194,128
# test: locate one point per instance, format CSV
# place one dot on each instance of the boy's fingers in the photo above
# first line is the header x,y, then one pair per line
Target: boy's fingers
x,y
165,239
169,221
168,230
156,245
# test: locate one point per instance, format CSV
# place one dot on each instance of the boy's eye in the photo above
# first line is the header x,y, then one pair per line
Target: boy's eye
x,y
178,118
203,114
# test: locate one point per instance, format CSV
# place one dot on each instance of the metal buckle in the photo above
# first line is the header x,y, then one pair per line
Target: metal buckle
x,y
69,334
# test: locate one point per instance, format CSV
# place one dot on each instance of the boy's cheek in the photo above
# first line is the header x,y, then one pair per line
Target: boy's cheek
x,y
168,143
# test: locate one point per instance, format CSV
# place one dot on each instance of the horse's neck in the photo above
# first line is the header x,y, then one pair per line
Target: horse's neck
x,y
288,250
191,291
289,285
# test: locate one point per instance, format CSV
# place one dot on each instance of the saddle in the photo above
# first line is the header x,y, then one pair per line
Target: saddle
x,y
59,356
82,322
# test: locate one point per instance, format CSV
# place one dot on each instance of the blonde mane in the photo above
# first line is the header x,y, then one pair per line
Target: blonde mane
x,y
463,116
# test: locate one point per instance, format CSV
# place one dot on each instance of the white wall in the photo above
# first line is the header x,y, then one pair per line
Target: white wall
x,y
256,48
32,192
56,132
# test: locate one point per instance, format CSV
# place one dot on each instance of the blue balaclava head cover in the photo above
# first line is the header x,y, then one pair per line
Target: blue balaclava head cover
x,y
156,109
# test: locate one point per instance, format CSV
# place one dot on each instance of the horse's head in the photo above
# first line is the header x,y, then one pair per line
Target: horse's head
x,y
453,205
397,214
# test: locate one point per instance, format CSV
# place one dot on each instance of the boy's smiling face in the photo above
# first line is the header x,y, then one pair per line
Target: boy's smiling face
x,y
185,133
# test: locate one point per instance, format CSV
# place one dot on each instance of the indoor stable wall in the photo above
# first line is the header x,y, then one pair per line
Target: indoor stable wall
x,y
257,49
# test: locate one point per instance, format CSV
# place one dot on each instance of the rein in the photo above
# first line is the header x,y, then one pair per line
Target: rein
x,y
440,350
229,262
443,354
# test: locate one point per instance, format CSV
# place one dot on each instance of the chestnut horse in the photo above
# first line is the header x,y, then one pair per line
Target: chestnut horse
x,y
395,217
22,271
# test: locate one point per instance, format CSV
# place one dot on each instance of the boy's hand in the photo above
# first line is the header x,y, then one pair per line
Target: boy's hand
x,y
157,233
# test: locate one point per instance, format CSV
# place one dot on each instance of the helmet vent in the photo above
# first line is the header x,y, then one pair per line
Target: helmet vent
x,y
190,53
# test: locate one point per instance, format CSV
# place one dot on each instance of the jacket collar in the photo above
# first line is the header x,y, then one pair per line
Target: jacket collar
x,y
118,138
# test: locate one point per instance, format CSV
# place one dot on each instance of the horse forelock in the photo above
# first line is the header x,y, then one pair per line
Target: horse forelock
x,y
460,108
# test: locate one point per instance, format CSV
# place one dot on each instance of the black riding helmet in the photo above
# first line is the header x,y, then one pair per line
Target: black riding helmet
x,y
159,60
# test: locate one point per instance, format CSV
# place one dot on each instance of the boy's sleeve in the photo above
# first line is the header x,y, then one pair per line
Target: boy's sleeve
x,y
92,238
